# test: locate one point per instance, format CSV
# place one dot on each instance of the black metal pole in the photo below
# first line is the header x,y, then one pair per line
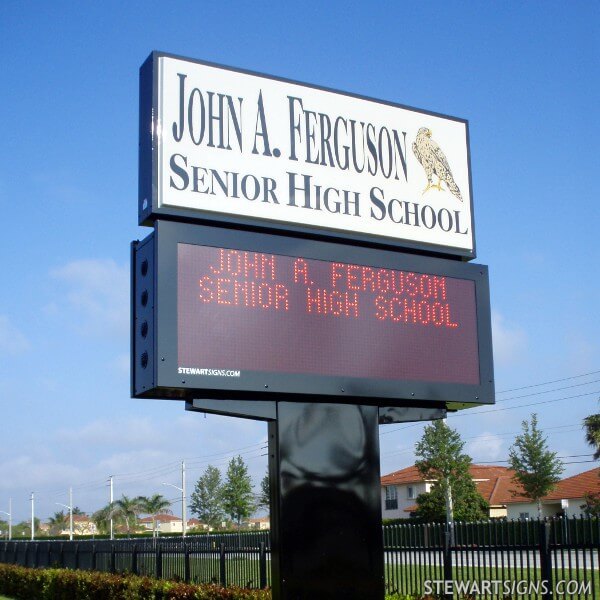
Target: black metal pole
x,y
327,539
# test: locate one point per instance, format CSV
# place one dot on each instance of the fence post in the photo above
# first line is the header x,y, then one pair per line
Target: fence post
x,y
262,561
222,566
113,561
159,564
76,556
546,558
36,555
93,557
62,555
186,562
134,560
448,560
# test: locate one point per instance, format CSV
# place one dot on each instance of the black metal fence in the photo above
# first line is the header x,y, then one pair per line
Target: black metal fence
x,y
242,560
494,559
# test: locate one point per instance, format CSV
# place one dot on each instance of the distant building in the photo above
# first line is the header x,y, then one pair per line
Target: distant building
x,y
164,523
567,498
82,525
197,525
258,523
400,489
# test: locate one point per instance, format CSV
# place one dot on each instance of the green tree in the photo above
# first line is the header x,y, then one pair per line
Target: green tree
x,y
102,518
592,504
22,530
153,506
440,459
207,498
536,468
592,433
4,529
127,509
237,491
57,522
264,496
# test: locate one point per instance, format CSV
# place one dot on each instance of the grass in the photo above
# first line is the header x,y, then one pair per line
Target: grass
x,y
410,579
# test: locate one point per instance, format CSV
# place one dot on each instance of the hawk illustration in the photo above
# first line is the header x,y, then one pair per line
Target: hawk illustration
x,y
434,161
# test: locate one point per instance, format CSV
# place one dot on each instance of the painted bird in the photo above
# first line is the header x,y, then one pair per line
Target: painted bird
x,y
434,161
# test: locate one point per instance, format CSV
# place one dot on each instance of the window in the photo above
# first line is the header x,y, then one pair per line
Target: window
x,y
410,492
391,497
524,516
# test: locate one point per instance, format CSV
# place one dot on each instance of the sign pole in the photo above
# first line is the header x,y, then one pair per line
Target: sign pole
x,y
325,502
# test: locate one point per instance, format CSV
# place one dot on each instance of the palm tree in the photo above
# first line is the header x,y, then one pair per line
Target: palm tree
x,y
128,509
592,433
102,518
154,505
57,522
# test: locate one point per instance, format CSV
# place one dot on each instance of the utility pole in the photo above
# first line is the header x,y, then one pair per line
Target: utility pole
x,y
32,516
69,507
183,516
110,479
71,514
182,490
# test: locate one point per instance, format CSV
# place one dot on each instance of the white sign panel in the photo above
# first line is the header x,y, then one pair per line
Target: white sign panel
x,y
235,144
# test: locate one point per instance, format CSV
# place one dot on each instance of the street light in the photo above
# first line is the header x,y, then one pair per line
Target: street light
x,y
9,515
182,490
32,499
70,509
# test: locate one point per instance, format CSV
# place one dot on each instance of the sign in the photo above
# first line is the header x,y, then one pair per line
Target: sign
x,y
218,144
238,314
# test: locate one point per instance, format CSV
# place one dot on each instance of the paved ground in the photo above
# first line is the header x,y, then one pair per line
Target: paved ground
x,y
573,559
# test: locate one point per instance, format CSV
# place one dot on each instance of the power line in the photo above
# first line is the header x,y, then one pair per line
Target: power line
x,y
525,387
483,412
568,387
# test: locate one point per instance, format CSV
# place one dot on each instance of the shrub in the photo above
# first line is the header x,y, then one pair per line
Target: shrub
x,y
64,584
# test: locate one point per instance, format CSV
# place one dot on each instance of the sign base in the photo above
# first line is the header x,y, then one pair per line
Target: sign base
x,y
326,531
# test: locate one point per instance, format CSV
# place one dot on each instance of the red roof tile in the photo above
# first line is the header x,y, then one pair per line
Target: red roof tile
x,y
494,482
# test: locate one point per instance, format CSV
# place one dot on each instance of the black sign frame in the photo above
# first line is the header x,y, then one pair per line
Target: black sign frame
x,y
154,354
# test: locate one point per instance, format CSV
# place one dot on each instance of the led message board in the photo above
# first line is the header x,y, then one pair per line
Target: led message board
x,y
221,313
221,144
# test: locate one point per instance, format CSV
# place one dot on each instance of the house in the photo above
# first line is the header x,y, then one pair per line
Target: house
x,y
197,525
164,523
400,489
82,525
261,523
567,498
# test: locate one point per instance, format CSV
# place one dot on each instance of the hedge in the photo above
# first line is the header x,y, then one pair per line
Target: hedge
x,y
64,584
23,583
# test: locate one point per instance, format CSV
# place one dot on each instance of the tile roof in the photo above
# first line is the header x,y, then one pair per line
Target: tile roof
x,y
160,519
576,486
494,482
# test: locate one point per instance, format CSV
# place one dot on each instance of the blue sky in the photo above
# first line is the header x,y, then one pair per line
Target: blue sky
x,y
525,75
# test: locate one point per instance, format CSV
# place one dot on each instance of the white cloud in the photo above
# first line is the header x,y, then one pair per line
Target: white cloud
x,y
34,473
117,433
12,341
509,340
98,293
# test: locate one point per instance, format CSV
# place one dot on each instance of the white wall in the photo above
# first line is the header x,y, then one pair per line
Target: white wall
x,y
403,500
549,509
